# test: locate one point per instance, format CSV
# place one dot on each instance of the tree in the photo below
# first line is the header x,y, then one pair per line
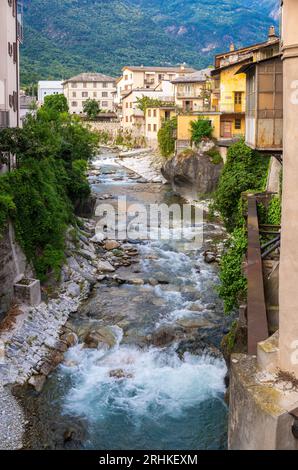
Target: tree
x,y
56,103
200,129
91,108
166,137
146,102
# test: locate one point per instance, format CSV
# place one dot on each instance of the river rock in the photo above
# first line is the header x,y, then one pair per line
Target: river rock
x,y
98,238
163,336
111,245
70,339
88,255
137,282
192,172
209,257
74,290
105,267
102,335
194,323
37,382
120,374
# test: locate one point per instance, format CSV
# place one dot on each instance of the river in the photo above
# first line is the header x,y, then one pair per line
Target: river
x,y
161,384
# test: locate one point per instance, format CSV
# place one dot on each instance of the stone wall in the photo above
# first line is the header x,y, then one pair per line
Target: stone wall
x,y
112,127
13,266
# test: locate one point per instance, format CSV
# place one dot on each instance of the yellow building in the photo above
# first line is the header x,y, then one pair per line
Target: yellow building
x,y
155,117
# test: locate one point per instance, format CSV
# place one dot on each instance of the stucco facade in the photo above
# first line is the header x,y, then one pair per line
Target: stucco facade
x,y
10,35
48,88
154,119
95,86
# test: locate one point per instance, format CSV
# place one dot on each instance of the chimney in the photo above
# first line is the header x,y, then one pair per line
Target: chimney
x,y
272,34
232,47
182,66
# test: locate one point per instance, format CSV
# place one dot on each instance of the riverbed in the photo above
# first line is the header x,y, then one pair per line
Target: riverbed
x,y
160,383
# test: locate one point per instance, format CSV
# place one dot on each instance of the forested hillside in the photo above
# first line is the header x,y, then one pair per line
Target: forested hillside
x,y
65,37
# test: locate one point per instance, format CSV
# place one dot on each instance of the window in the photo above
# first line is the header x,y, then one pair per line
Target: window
x,y
94,94
73,85
149,112
125,77
130,118
94,85
126,105
155,128
126,119
84,94
74,104
74,94
238,124
161,77
105,85
154,113
131,105
85,85
105,94
149,127
105,104
238,97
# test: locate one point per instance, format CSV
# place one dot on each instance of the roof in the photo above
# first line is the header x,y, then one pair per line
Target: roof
x,y
159,69
91,77
247,60
50,84
246,67
198,76
248,48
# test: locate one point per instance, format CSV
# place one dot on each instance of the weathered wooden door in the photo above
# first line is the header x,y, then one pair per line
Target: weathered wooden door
x,y
226,129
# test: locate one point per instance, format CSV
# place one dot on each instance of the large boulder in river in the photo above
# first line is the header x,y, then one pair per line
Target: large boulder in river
x,y
96,337
194,172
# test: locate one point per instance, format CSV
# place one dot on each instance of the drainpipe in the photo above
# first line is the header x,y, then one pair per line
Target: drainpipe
x,y
288,293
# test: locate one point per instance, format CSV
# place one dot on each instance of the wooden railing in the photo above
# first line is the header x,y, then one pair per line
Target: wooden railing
x,y
257,323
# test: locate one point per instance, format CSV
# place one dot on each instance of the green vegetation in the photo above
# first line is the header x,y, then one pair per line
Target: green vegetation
x,y
245,170
215,156
274,211
167,137
91,108
52,151
200,129
56,103
147,102
64,38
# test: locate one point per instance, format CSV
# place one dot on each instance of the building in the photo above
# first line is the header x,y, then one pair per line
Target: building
x,y
47,88
131,116
264,104
192,92
27,105
147,77
95,86
11,34
154,119
229,88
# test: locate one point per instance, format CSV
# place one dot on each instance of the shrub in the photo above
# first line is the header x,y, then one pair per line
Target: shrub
x,y
91,108
166,137
245,169
200,129
215,156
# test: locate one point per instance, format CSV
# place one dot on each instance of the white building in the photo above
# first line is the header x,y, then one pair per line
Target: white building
x,y
94,86
11,32
47,88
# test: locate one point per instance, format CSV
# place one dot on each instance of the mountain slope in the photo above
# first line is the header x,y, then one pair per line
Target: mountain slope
x,y
66,37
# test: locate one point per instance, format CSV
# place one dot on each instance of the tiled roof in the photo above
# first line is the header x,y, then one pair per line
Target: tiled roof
x,y
91,77
199,76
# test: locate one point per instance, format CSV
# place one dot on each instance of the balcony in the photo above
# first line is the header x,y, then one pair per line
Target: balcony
x,y
149,81
4,119
232,108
